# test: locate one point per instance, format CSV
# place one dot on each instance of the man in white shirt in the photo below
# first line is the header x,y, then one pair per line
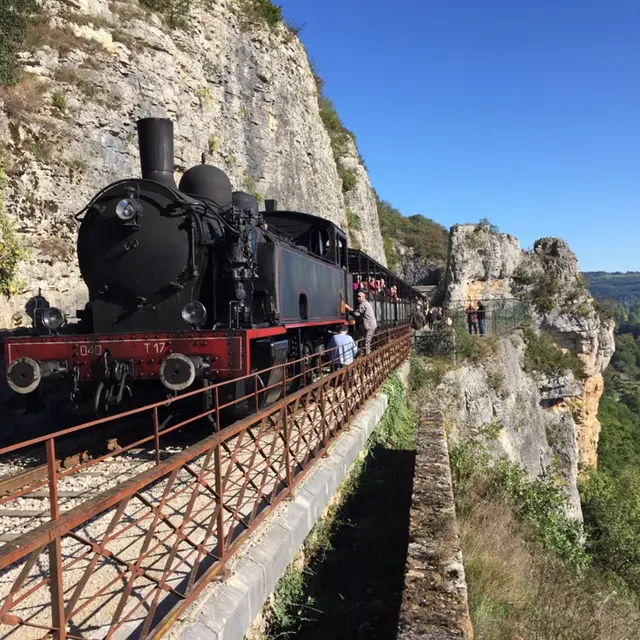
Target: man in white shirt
x,y
342,349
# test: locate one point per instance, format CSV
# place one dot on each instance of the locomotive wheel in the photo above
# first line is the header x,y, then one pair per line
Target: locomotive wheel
x,y
299,370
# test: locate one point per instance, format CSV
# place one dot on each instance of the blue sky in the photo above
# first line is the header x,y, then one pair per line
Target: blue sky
x,y
527,113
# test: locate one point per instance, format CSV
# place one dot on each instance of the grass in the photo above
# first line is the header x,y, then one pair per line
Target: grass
x,y
527,571
315,598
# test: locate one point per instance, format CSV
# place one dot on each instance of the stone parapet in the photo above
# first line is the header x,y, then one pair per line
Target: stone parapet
x,y
434,600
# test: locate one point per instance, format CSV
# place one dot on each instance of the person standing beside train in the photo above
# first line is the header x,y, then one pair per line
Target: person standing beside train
x,y
342,348
363,313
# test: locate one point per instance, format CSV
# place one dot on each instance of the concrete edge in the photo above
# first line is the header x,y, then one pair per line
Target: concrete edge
x,y
229,611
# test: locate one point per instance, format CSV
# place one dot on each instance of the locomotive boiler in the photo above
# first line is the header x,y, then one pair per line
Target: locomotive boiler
x,y
188,284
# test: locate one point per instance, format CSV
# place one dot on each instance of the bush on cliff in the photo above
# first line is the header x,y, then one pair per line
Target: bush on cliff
x,y
14,17
11,253
611,508
527,572
427,238
544,356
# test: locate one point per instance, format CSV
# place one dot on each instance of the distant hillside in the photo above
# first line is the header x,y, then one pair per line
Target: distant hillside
x,y
427,241
617,286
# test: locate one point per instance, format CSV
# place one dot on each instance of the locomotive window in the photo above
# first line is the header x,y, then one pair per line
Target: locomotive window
x,y
342,252
319,242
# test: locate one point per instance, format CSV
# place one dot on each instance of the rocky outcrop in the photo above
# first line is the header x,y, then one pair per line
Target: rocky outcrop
x,y
360,200
527,419
548,424
415,269
238,90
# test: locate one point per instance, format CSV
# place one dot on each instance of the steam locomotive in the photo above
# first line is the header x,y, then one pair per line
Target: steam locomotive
x,y
190,285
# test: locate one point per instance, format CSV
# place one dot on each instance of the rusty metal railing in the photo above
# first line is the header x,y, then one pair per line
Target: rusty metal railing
x,y
128,561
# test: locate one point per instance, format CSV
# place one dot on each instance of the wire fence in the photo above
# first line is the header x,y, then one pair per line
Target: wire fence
x,y
500,316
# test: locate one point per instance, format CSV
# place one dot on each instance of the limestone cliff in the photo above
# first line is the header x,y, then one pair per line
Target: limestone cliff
x,y
548,421
237,89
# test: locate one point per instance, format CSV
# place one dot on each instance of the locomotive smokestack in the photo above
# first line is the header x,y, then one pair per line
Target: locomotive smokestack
x,y
270,206
155,141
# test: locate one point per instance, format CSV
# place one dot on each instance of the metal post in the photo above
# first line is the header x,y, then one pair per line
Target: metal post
x,y
55,550
156,434
323,413
287,448
217,461
346,393
255,389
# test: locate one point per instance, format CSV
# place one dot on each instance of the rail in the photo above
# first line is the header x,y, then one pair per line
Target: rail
x,y
127,562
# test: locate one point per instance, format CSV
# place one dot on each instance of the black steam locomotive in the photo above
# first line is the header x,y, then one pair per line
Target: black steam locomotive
x,y
189,285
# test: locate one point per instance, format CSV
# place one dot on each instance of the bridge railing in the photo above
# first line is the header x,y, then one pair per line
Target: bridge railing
x,y
128,561
500,315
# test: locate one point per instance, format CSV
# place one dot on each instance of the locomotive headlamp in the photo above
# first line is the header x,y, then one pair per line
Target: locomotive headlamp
x,y
127,209
53,318
194,313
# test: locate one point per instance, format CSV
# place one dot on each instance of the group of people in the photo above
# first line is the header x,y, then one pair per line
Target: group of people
x,y
476,318
376,287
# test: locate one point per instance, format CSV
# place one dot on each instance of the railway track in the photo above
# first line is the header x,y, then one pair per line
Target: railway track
x,y
86,464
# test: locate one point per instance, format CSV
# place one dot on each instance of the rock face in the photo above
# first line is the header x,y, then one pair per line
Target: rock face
x,y
548,423
237,90
415,269
364,228
532,417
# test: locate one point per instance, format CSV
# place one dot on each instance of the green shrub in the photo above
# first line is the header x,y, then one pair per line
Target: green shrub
x,y
250,186
611,509
176,11
544,356
349,178
353,220
214,144
14,18
485,224
544,293
540,504
428,239
338,133
262,10
474,348
59,101
11,253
